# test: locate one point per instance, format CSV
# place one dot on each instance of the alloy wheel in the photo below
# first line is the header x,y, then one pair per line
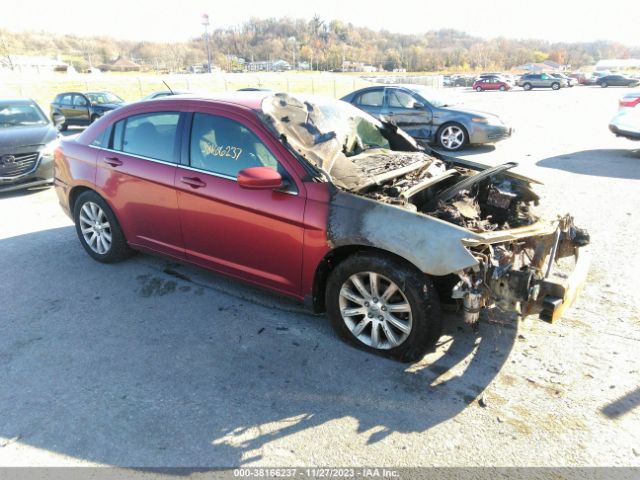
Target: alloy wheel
x,y
452,137
95,228
375,310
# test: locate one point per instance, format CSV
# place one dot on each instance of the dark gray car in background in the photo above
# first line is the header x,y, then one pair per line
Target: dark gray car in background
x,y
27,141
429,116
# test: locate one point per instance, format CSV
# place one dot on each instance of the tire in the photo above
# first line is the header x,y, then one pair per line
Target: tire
x,y
63,127
94,117
527,86
453,142
89,210
604,84
502,88
421,324
478,89
555,86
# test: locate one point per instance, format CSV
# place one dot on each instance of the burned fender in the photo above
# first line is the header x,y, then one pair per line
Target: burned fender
x,y
432,245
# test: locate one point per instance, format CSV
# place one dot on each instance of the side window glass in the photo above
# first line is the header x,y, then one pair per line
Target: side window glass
x,y
399,99
374,98
79,101
102,140
223,146
151,135
66,99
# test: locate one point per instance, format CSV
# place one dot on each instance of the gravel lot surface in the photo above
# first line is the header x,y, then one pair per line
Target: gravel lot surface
x,y
148,363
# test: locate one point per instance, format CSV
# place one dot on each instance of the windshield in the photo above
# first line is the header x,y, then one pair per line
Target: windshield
x,y
103,97
342,140
20,114
435,97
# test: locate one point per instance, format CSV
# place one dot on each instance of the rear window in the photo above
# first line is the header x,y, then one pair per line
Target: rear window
x,y
374,98
151,135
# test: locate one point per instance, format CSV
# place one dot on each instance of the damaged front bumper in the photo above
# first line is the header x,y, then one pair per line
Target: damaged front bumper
x,y
539,269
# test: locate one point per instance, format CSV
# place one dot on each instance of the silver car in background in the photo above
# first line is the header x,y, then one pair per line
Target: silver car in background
x,y
430,116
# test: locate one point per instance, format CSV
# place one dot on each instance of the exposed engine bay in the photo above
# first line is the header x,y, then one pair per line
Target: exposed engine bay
x,y
480,202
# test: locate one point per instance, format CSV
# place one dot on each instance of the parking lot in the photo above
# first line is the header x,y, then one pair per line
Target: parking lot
x,y
148,363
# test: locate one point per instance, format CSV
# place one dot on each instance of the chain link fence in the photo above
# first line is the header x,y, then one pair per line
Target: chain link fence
x,y
43,87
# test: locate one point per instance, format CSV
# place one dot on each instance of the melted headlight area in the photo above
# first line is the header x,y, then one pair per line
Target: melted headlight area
x,y
528,276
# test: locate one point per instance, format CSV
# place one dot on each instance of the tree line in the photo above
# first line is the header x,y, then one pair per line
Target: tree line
x,y
322,44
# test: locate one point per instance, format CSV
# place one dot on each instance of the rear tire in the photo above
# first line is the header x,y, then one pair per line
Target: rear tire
x,y
604,84
527,86
62,127
407,322
555,86
478,89
98,229
94,117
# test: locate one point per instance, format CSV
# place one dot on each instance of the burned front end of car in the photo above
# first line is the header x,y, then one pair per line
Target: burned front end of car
x,y
525,264
476,225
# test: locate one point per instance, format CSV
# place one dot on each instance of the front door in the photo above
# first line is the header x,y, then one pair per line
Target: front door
x,y
409,113
255,235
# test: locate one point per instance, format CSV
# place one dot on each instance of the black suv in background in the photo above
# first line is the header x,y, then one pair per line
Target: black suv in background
x,y
84,108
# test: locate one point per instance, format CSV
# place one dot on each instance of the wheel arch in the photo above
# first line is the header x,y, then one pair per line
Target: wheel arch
x,y
75,192
336,256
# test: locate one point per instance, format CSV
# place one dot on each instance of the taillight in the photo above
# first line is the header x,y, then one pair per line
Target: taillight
x,y
629,102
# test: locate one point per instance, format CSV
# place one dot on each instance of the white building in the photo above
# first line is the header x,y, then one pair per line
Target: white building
x,y
617,64
28,63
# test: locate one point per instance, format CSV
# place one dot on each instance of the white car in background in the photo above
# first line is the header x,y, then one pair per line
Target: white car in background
x,y
626,123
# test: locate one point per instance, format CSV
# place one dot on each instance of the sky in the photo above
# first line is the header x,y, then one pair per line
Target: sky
x,y
157,20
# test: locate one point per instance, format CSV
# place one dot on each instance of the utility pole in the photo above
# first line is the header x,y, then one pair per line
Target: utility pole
x,y
205,23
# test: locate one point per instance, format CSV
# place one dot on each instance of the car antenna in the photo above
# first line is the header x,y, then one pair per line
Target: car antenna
x,y
168,87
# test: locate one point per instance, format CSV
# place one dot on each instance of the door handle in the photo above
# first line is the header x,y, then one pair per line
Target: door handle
x,y
193,182
113,161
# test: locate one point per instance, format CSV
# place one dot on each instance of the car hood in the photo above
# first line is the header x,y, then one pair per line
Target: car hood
x,y
468,111
109,106
15,138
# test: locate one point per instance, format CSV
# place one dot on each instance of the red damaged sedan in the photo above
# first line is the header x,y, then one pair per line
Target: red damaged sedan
x,y
315,199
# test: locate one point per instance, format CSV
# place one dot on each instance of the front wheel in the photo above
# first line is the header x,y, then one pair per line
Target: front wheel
x,y
452,137
502,88
381,305
604,84
98,229
478,89
555,86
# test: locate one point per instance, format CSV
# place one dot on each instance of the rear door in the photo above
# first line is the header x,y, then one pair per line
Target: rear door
x,y
80,108
409,112
255,235
66,108
136,176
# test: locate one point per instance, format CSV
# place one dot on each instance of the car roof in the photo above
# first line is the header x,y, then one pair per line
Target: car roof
x,y
248,99
23,101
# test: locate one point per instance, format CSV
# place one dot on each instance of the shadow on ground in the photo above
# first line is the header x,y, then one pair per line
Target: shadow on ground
x,y
206,373
614,163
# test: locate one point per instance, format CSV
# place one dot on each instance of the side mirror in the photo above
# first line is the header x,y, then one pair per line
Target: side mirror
x,y
58,119
418,106
259,178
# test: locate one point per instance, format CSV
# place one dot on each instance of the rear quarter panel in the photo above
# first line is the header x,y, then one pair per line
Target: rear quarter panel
x,y
74,166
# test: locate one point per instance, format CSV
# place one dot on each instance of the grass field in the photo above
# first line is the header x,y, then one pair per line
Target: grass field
x,y
44,87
